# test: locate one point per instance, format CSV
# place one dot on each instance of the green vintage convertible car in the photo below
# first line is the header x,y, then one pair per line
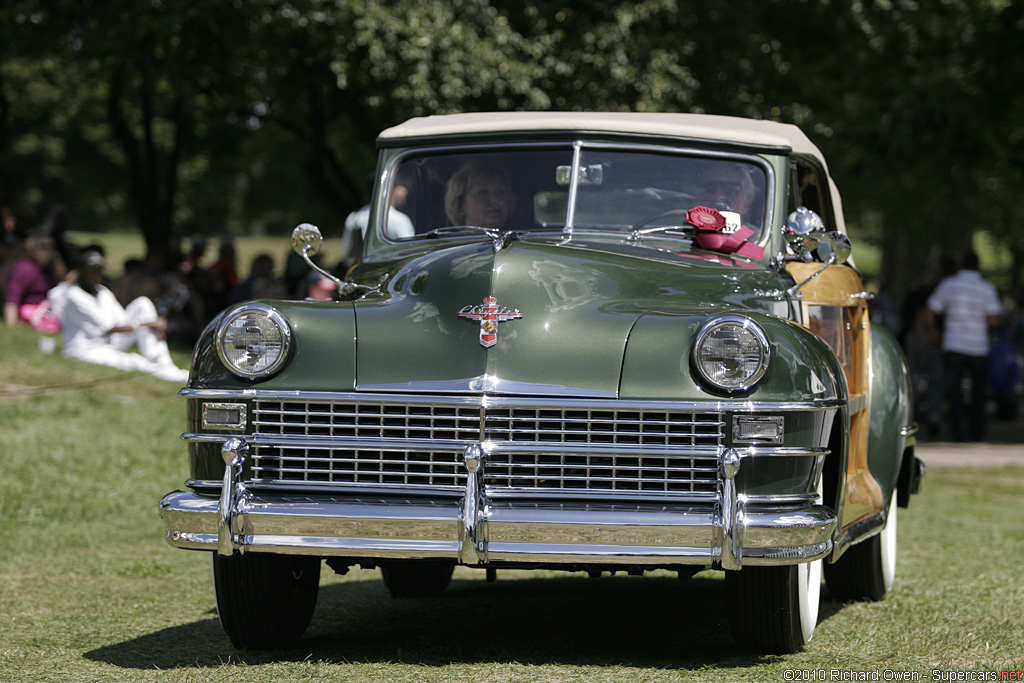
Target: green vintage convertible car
x,y
591,342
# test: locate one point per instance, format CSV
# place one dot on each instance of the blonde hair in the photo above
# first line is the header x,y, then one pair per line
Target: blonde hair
x,y
462,180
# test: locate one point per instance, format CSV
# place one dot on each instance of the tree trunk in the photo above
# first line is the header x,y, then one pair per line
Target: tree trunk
x,y
153,176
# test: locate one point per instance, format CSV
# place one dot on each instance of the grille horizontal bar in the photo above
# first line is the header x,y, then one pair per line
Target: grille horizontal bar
x,y
578,447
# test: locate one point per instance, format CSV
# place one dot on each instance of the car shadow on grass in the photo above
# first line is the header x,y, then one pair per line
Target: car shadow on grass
x,y
650,622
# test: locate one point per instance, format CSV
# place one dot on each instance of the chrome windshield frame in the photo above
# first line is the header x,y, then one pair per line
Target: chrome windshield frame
x,y
578,148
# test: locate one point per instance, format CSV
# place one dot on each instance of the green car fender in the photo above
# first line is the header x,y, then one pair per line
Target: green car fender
x,y
657,364
890,409
804,382
321,357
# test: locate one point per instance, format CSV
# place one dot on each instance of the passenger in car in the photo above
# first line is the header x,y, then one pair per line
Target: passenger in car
x,y
728,187
479,195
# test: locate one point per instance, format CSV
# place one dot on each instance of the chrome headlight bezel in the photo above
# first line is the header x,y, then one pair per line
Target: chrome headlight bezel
x,y
748,335
281,345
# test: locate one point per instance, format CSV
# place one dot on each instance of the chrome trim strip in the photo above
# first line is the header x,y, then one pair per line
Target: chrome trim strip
x,y
362,443
574,184
575,495
489,401
393,549
787,499
475,510
571,448
192,437
232,496
204,483
781,556
784,451
343,488
730,513
568,449
487,384
553,533
513,448
510,493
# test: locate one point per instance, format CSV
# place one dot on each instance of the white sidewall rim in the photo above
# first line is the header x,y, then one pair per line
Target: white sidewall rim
x,y
888,545
809,588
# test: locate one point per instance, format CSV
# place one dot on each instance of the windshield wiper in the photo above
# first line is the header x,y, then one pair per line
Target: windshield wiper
x,y
456,229
673,230
500,240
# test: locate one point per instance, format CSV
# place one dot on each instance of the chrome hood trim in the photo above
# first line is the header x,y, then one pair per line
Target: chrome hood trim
x,y
487,384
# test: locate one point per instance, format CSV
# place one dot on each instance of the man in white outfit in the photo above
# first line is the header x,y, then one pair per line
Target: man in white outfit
x,y
97,329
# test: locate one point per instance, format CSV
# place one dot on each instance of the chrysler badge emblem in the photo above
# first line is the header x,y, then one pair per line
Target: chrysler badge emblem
x,y
489,315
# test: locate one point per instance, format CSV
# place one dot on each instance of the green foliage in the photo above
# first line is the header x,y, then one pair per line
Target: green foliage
x,y
246,115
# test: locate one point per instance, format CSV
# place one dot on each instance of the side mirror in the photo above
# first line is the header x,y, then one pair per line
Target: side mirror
x,y
800,230
806,235
306,240
832,247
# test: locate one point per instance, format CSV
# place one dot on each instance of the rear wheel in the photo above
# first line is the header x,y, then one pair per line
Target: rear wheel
x,y
419,580
265,601
866,571
774,609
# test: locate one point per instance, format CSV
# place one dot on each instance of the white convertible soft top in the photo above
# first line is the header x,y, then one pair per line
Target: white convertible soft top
x,y
757,133
751,132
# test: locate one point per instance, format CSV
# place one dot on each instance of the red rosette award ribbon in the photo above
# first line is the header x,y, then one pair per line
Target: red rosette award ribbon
x,y
710,224
705,219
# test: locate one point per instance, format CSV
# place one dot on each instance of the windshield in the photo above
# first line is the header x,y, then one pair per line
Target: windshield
x,y
536,189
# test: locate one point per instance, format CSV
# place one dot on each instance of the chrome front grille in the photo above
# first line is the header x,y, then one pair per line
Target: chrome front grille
x,y
567,447
603,426
367,420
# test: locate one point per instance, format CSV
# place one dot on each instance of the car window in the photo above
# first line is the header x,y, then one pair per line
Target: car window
x,y
529,189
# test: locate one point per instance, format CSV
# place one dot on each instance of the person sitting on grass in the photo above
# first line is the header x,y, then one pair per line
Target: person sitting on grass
x,y
97,329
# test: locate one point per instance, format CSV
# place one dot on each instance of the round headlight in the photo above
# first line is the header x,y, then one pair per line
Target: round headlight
x,y
731,353
253,341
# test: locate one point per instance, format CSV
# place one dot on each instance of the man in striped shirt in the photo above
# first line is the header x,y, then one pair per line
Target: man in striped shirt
x,y
971,307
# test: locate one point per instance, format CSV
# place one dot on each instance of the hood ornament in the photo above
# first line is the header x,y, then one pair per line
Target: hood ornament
x,y
489,315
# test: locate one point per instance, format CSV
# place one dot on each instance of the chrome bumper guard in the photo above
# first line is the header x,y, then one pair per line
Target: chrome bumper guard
x,y
479,531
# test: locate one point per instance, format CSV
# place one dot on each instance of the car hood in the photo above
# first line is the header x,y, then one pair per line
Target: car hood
x,y
564,312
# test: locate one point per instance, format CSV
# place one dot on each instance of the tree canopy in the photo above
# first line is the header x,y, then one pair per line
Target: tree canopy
x,y
244,115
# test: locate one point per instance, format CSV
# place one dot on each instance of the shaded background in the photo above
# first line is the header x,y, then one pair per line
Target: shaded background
x,y
249,116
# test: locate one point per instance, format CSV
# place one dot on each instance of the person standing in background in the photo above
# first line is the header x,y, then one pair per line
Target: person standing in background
x,y
971,307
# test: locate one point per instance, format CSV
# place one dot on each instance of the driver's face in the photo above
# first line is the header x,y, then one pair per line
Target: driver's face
x,y
487,202
725,189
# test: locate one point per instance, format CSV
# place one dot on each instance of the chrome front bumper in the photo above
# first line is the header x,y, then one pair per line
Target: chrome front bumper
x,y
477,531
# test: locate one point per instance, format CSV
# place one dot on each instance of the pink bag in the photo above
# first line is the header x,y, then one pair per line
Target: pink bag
x,y
40,317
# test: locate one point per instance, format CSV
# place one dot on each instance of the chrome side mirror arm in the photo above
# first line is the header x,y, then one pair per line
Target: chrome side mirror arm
x,y
306,242
830,247
792,291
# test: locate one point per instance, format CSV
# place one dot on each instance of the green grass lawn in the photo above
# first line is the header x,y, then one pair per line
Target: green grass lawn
x,y
89,590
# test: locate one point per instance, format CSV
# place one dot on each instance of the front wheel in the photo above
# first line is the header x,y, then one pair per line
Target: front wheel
x,y
265,601
866,571
774,609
